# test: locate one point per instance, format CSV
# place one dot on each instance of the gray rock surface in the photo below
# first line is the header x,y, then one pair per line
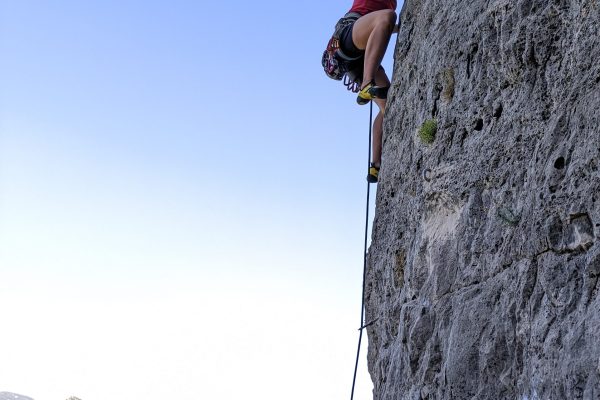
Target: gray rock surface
x,y
13,396
484,266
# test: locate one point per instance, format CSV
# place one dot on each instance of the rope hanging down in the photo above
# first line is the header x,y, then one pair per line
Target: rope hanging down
x,y
362,307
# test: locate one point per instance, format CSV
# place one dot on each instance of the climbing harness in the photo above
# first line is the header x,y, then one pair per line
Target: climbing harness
x,y
363,325
338,65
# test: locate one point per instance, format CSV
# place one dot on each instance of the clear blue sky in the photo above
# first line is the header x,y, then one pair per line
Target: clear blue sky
x,y
181,202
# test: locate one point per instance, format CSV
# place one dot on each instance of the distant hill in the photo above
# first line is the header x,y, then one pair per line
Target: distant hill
x,y
13,396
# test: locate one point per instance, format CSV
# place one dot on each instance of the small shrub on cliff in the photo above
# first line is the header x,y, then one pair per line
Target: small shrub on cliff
x,y
427,131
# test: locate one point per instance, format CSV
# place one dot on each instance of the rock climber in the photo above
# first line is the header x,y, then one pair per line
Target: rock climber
x,y
355,54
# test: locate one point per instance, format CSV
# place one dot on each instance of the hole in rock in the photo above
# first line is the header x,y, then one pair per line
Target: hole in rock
x,y
546,115
498,111
559,163
463,137
479,124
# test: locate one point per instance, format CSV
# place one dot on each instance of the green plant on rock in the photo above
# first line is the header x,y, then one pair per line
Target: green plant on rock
x,y
427,131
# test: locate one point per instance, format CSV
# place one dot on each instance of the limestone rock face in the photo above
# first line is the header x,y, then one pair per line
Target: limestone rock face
x,y
484,266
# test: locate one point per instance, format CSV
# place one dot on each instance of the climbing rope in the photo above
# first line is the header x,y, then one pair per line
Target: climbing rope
x,y
362,307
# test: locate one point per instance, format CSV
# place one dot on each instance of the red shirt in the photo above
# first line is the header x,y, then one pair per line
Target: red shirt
x,y
364,7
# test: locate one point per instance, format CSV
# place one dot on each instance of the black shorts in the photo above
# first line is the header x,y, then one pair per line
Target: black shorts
x,y
349,48
347,45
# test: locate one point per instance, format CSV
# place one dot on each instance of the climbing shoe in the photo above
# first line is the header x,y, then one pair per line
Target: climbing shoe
x,y
373,174
371,92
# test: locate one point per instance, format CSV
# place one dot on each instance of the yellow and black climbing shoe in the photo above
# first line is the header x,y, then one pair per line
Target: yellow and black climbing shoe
x,y
371,92
373,174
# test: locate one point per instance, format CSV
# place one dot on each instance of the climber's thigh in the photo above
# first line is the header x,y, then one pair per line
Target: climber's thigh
x,y
367,23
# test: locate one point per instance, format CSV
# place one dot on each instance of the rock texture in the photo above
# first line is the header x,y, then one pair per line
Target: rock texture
x,y
485,260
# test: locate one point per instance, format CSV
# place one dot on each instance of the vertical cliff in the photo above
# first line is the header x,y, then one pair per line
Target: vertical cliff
x,y
484,266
